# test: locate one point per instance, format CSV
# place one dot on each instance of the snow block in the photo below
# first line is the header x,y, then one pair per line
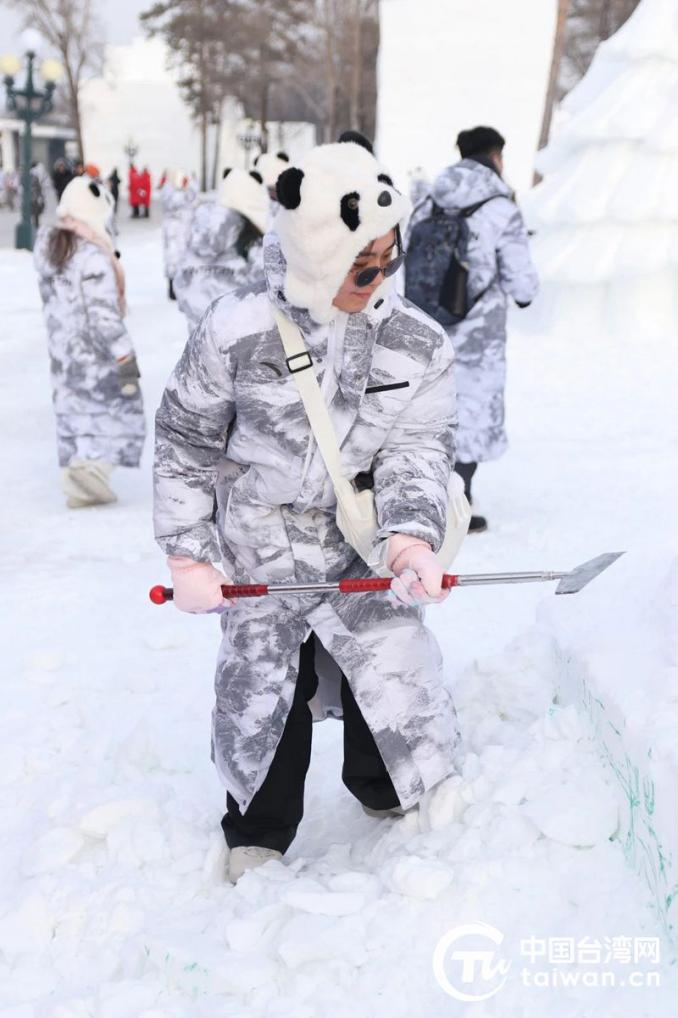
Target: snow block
x,y
617,642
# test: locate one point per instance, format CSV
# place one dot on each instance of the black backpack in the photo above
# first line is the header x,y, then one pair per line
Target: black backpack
x,y
436,263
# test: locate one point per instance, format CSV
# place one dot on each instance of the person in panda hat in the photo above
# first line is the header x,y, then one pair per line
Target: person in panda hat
x,y
223,245
95,378
177,196
239,480
270,165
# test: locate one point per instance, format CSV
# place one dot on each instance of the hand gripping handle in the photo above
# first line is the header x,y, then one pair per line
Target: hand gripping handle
x,y
383,583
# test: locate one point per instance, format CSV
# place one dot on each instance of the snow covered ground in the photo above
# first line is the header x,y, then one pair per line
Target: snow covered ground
x,y
113,902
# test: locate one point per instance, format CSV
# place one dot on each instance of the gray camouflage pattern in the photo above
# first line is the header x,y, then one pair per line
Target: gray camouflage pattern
x,y
177,210
85,336
500,264
210,265
231,432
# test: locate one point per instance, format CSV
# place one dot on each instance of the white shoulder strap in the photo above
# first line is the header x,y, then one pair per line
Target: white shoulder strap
x,y
301,366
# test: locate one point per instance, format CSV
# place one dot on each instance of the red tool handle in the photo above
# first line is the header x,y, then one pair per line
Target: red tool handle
x,y
160,594
383,583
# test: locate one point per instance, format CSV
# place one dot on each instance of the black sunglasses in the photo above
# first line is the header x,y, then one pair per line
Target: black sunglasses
x,y
367,276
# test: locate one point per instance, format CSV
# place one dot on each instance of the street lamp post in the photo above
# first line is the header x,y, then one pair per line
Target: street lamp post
x,y
248,139
29,103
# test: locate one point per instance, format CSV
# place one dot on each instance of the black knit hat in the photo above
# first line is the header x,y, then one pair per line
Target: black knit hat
x,y
479,141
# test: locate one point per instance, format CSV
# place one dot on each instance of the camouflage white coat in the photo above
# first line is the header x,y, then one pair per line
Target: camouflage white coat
x,y
211,265
86,335
500,268
238,476
177,210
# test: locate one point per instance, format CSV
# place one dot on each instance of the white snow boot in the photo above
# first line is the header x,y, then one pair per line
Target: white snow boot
x,y
248,857
397,811
85,483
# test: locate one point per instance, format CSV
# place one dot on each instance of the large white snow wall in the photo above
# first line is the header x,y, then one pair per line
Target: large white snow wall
x,y
618,646
445,65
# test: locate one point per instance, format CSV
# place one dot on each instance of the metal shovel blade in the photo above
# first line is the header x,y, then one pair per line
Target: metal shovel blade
x,y
573,582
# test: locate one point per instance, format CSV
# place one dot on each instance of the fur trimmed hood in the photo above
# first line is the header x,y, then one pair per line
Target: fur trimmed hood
x,y
335,202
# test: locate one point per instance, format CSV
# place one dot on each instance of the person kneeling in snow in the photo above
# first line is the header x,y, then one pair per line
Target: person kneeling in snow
x,y
232,433
95,378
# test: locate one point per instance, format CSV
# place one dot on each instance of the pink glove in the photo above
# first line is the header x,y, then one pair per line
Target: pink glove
x,y
418,573
197,585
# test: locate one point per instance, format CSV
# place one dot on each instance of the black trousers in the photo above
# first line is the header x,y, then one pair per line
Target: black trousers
x,y
466,472
272,817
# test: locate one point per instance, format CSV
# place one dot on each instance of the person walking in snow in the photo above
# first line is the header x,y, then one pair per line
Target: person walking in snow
x,y
239,478
95,378
499,268
114,182
62,174
177,196
223,249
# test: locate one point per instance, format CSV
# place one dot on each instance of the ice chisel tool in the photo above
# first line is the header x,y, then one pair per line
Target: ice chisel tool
x,y
570,583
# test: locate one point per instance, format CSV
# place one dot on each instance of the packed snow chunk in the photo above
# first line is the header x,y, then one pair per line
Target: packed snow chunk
x,y
580,817
310,938
419,878
100,821
26,929
311,896
443,805
53,850
258,931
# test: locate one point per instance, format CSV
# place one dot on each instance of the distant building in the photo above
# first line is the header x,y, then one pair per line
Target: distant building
x,y
50,142
137,101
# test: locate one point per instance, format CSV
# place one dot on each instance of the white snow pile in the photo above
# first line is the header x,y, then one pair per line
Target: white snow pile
x,y
606,214
619,643
113,902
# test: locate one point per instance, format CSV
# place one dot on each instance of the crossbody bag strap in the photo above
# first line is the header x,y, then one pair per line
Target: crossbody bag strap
x,y
300,364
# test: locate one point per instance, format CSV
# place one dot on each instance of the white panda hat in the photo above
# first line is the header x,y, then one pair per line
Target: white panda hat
x,y
270,165
333,204
245,193
90,203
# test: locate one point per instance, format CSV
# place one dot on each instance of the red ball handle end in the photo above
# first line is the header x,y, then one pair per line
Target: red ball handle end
x,y
160,594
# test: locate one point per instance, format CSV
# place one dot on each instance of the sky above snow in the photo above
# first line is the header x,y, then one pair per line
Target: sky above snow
x,y
119,19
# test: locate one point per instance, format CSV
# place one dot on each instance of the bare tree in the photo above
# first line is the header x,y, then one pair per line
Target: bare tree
x,y
71,28
590,22
556,57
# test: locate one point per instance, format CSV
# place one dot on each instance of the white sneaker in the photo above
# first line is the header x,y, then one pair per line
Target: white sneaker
x,y
248,857
85,483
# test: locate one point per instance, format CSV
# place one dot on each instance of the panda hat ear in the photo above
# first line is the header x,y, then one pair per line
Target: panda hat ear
x,y
357,138
288,187
256,176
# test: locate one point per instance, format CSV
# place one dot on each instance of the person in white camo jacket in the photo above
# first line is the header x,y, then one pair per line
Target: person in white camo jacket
x,y
500,269
94,372
177,196
239,479
223,244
